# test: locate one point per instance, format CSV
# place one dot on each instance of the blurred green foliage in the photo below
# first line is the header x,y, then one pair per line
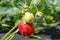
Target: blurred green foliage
x,y
13,10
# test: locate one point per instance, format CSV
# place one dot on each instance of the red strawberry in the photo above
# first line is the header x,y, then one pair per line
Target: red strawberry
x,y
26,29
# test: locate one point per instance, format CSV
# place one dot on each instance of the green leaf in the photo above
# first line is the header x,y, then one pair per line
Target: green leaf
x,y
4,10
51,24
56,4
54,24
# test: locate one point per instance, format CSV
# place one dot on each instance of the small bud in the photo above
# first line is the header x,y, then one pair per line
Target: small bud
x,y
39,14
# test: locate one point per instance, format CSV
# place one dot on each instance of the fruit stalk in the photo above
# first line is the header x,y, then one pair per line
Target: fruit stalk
x,y
9,32
12,35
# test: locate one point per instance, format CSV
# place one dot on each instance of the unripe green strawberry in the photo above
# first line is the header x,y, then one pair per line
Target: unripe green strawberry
x,y
26,29
29,17
49,19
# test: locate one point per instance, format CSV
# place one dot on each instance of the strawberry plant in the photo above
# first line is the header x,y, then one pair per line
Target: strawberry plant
x,y
28,17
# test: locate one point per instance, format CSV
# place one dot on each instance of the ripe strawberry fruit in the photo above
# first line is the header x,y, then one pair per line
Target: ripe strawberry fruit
x,y
26,29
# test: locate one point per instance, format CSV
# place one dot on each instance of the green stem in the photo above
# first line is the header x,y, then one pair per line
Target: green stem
x,y
36,8
5,25
9,32
35,36
12,35
25,2
42,5
31,4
